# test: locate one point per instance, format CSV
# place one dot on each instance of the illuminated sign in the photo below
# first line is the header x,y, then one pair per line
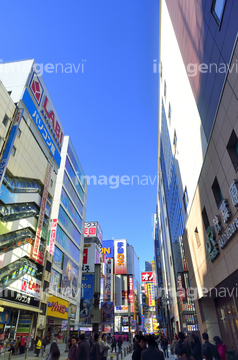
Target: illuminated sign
x,y
147,276
57,307
107,248
121,309
120,256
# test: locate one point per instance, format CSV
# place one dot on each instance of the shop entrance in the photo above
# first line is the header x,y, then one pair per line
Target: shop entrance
x,y
228,321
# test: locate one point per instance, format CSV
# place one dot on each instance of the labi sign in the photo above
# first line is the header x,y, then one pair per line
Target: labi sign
x,y
212,246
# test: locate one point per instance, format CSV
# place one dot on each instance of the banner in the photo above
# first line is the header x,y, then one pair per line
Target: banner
x,y
120,251
69,278
57,307
108,312
86,303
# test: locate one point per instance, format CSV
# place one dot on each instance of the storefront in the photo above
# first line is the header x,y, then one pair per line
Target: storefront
x,y
57,319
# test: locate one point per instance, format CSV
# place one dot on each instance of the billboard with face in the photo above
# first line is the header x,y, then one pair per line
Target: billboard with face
x,y
69,278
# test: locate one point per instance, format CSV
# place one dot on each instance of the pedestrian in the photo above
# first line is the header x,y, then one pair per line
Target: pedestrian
x,y
141,347
196,348
17,346
221,347
104,346
38,347
44,343
94,351
83,348
54,353
135,342
207,353
174,341
69,344
152,353
119,343
182,345
164,345
12,349
114,344
213,348
73,352
22,345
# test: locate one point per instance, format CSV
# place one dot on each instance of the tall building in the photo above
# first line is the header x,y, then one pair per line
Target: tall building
x,y
66,243
198,159
30,158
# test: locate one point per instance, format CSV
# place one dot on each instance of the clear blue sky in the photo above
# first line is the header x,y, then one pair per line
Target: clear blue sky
x,y
111,110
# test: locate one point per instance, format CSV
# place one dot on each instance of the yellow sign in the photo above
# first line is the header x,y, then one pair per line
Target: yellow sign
x,y
57,307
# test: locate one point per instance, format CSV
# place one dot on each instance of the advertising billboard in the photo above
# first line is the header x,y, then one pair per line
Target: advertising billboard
x,y
147,276
69,277
93,229
131,292
86,303
51,236
90,257
57,307
151,294
120,253
107,312
107,248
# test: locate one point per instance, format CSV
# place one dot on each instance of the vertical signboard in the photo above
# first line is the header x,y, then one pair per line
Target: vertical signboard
x,y
36,246
108,312
10,141
131,293
120,253
51,236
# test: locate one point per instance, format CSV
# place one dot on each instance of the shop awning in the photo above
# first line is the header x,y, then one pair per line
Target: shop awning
x,y
14,305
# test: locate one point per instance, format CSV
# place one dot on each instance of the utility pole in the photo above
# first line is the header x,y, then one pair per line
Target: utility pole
x,y
68,328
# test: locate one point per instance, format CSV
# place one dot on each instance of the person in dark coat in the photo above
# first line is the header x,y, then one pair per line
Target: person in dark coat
x,y
119,343
94,351
114,344
73,350
141,347
212,347
164,345
182,345
152,353
196,348
83,348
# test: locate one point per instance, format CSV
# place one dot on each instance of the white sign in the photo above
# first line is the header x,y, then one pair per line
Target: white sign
x,y
90,257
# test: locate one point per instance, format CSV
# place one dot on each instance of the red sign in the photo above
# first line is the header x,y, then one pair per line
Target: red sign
x,y
181,290
51,116
147,276
131,293
52,236
85,256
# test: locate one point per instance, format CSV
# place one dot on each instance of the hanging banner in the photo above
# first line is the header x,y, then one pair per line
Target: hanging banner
x,y
120,252
108,312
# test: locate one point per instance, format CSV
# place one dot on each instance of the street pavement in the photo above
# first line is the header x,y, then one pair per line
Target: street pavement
x,y
63,355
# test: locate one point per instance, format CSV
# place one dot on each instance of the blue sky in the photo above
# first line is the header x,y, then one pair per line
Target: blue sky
x,y
110,111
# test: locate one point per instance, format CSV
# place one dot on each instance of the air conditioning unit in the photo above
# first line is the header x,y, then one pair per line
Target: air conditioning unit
x,y
96,316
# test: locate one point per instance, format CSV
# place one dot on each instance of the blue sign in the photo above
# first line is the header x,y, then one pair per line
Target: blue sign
x,y
108,248
41,126
87,286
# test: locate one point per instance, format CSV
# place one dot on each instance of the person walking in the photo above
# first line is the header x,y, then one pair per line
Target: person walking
x,y
182,344
213,348
221,347
104,346
172,348
83,348
17,346
22,345
94,351
44,343
164,345
38,347
141,347
152,352
196,348
54,353
119,343
114,343
73,351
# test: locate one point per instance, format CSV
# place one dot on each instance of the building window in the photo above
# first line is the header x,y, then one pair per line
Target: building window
x,y
217,10
217,192
175,141
165,89
51,183
205,218
5,120
48,266
169,113
185,198
46,285
197,237
232,148
13,151
19,133
43,308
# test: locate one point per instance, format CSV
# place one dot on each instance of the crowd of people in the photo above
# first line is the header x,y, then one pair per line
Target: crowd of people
x,y
147,348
